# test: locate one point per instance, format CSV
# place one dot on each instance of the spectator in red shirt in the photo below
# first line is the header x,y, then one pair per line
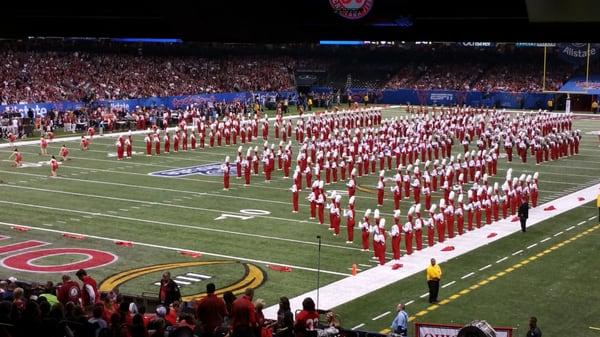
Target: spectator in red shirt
x,y
307,320
210,311
243,319
69,291
89,295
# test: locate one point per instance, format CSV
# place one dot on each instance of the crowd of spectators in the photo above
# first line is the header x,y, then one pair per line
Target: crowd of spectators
x,y
491,72
50,76
79,310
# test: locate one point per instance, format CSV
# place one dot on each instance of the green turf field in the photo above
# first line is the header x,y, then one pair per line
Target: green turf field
x,y
108,201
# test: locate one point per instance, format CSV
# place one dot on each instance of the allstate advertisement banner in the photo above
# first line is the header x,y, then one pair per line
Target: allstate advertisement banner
x,y
171,102
577,52
451,330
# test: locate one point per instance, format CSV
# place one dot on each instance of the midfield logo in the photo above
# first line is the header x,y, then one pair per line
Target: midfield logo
x,y
213,169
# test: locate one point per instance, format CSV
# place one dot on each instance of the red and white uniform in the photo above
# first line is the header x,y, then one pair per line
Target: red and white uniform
x,y
294,190
148,142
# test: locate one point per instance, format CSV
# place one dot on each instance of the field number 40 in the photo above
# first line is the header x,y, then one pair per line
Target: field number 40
x,y
248,214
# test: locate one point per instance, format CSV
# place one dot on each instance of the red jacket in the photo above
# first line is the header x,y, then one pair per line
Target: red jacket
x,y
211,311
242,313
69,292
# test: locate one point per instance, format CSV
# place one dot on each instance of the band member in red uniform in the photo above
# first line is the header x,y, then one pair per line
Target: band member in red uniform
x,y
64,153
379,246
167,140
193,140
407,229
350,223
53,167
380,188
225,169
120,150
176,142
184,140
18,158
43,146
365,227
418,228
294,190
431,226
148,141
312,199
246,167
321,205
458,212
84,144
156,140
396,238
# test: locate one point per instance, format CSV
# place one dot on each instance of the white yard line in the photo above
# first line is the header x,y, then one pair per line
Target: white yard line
x,y
178,249
170,224
468,275
517,252
502,259
485,267
591,218
409,302
559,233
424,295
569,228
546,239
379,316
531,246
448,284
358,326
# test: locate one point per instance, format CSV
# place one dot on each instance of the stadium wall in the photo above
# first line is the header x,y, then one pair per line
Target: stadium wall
x,y
171,102
472,98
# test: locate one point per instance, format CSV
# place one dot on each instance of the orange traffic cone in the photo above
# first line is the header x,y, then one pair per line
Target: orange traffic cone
x,y
354,269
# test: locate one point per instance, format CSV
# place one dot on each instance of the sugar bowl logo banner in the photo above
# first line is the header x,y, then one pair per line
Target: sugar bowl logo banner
x,y
213,169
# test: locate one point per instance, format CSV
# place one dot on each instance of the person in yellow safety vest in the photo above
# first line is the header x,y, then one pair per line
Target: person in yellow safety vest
x,y
598,204
434,275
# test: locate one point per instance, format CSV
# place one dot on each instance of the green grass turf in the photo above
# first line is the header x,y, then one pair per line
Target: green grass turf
x,y
180,213
543,288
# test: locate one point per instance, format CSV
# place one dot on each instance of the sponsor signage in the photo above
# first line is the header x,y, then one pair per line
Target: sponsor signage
x,y
213,169
451,330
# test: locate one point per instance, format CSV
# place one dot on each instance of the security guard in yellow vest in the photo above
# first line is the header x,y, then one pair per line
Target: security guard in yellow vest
x,y
598,204
434,275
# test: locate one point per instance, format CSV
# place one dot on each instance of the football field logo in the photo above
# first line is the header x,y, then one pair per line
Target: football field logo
x,y
352,9
213,169
250,276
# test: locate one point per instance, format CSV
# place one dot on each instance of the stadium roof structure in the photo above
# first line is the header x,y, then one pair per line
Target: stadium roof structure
x,y
312,20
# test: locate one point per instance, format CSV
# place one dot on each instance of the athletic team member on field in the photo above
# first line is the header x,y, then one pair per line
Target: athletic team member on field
x,y
64,153
18,158
84,144
53,167
43,146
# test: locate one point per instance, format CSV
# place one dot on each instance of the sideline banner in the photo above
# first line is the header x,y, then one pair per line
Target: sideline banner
x,y
451,330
